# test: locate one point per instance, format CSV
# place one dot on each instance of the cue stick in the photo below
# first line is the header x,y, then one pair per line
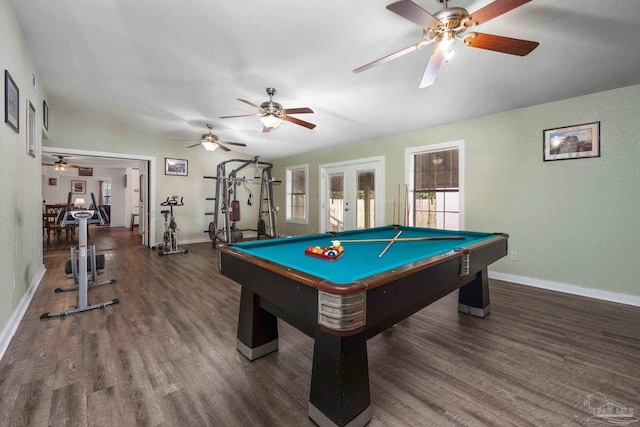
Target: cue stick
x,y
394,213
403,239
399,202
390,243
406,204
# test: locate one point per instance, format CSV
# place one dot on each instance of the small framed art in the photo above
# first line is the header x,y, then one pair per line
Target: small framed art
x,y
85,171
177,167
78,187
31,129
572,142
11,102
45,115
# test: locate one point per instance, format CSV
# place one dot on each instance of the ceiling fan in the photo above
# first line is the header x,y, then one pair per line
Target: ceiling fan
x,y
210,141
452,23
60,165
272,114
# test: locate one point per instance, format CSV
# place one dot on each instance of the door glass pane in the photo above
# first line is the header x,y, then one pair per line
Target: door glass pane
x,y
366,199
336,202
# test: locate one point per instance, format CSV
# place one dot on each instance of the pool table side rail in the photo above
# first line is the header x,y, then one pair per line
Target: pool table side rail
x,y
388,276
375,280
292,273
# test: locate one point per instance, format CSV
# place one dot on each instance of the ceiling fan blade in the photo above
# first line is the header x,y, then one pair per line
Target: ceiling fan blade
x,y
241,115
299,122
183,140
493,10
429,76
303,110
239,144
414,13
391,56
194,145
500,44
249,102
222,147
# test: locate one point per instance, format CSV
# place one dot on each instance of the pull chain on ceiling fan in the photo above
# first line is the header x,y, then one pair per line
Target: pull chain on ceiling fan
x,y
449,24
272,114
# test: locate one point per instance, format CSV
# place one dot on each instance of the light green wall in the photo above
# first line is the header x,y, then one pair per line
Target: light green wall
x,y
20,185
572,222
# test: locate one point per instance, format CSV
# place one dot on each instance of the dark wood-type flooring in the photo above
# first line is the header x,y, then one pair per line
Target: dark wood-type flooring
x,y
166,355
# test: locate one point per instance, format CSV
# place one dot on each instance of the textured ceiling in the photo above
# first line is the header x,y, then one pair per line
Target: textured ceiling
x,y
171,67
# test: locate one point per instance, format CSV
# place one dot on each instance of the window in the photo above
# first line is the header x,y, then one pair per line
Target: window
x,y
105,194
435,186
297,190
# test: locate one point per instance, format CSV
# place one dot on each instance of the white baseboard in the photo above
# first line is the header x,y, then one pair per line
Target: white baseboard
x,y
188,242
566,288
245,235
16,318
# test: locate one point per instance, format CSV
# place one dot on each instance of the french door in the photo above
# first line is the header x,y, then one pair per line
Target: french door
x,y
352,195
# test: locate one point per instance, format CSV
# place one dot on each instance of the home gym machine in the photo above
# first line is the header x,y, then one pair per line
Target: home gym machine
x,y
82,260
171,230
227,204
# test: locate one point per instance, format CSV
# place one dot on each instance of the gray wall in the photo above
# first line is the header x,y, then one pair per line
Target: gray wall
x,y
574,223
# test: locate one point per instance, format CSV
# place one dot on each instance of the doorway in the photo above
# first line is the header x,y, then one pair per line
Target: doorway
x,y
143,188
352,194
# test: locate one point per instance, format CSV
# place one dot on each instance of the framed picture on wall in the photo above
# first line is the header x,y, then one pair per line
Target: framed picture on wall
x,y
31,129
45,115
572,142
53,181
85,171
78,187
11,102
177,167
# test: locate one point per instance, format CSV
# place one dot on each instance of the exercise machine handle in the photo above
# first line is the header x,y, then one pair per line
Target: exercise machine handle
x,y
172,201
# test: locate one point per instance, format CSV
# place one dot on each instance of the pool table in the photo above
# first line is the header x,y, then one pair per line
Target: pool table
x,y
343,302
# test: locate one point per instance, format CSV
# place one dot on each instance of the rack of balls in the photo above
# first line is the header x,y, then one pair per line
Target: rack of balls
x,y
330,253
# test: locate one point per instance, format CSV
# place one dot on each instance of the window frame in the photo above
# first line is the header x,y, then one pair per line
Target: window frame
x,y
289,193
409,167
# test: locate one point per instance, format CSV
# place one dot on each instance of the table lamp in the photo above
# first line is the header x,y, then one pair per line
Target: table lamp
x,y
79,203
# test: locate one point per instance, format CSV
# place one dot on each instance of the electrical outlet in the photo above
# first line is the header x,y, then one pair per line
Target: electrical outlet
x,y
514,256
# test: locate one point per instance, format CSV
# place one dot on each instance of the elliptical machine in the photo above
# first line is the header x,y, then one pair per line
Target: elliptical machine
x,y
171,230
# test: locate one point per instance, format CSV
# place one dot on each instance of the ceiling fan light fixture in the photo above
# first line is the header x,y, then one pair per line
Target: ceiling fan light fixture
x,y
446,44
270,121
209,145
448,54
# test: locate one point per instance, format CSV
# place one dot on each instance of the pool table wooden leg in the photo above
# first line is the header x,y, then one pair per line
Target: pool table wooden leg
x,y
474,297
257,328
339,381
